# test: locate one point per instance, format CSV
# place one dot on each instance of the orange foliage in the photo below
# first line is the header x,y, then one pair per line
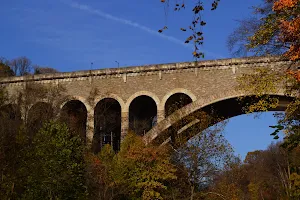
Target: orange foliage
x,y
290,29
145,154
294,52
284,4
290,33
289,24
295,74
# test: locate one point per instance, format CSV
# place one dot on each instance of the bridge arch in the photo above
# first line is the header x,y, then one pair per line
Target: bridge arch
x,y
38,102
141,93
160,129
38,114
175,91
175,102
107,124
79,98
143,111
74,113
111,96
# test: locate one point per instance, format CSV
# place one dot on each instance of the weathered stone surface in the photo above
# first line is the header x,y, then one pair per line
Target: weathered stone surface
x,y
204,82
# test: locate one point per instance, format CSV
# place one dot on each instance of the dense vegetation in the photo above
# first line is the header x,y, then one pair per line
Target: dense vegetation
x,y
45,158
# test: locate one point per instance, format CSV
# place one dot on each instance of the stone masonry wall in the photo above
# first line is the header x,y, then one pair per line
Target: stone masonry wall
x,y
198,80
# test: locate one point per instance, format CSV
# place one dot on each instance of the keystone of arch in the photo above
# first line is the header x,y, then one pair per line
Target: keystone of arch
x,y
141,93
175,91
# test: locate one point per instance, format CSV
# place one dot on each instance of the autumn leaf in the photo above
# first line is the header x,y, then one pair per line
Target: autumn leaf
x,y
189,38
196,24
199,33
284,4
202,23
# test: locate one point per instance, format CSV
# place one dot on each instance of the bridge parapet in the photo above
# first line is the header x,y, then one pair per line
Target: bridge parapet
x,y
146,69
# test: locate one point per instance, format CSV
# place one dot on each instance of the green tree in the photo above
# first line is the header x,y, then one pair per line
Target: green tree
x,y
101,169
15,132
54,166
150,168
5,70
9,147
136,172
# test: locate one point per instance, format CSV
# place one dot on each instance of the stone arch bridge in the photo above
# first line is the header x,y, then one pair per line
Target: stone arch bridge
x,y
144,98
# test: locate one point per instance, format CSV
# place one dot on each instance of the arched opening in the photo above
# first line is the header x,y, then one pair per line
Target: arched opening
x,y
193,118
11,112
38,114
107,122
175,102
10,122
142,114
74,114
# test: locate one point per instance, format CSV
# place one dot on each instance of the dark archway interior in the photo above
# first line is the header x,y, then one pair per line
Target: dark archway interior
x,y
142,114
209,116
107,121
175,102
10,122
74,114
38,114
11,112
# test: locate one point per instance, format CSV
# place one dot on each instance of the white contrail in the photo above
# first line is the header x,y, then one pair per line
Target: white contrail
x,y
133,24
127,22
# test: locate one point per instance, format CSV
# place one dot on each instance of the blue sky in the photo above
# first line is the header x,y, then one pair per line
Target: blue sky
x,y
69,35
250,132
